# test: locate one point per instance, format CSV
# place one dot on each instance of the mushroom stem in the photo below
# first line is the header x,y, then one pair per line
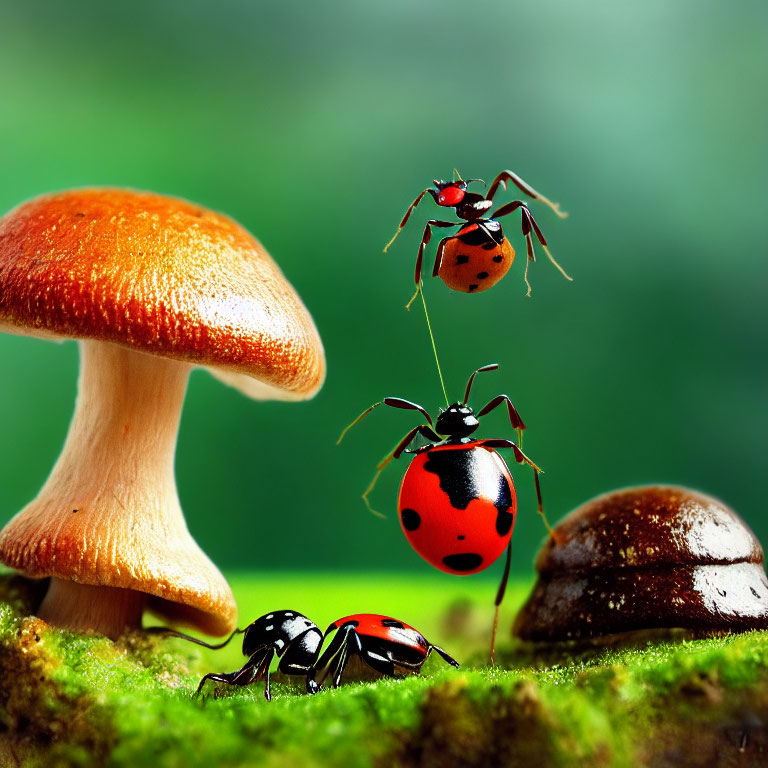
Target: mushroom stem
x,y
115,472
100,609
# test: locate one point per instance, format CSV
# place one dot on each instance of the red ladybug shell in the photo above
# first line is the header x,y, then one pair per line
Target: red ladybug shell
x,y
457,507
385,628
474,268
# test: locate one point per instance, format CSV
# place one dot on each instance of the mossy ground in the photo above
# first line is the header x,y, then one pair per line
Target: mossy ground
x,y
85,701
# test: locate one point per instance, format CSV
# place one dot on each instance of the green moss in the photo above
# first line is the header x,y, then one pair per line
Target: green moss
x,y
78,700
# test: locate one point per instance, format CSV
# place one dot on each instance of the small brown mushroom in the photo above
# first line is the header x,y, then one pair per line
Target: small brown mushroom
x,y
152,286
647,558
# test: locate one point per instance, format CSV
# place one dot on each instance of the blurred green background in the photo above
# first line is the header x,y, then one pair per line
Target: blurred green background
x,y
315,125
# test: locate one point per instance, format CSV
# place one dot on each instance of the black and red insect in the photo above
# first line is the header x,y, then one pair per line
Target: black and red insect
x,y
457,503
478,255
388,646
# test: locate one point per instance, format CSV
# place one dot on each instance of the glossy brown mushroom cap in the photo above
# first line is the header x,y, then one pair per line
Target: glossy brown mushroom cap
x,y
162,276
644,558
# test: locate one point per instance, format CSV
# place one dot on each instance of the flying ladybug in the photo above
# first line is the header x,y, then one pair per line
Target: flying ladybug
x,y
478,255
457,503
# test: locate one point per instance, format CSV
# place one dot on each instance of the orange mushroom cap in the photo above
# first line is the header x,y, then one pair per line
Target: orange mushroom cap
x,y
159,275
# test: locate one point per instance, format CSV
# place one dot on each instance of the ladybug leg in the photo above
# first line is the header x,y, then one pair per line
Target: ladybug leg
x,y
489,367
423,430
499,597
393,402
521,458
173,633
243,676
321,667
446,656
335,658
427,236
405,218
528,224
527,189
439,256
263,672
514,417
351,645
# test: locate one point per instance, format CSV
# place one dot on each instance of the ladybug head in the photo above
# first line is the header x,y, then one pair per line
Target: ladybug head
x,y
449,193
458,420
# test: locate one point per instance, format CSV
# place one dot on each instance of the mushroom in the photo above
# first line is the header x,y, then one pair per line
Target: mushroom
x,y
151,286
647,558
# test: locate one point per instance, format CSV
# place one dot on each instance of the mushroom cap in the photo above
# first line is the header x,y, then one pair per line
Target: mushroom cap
x,y
645,558
162,276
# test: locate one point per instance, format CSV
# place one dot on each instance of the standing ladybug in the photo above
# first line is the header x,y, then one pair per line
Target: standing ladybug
x,y
385,644
478,255
457,501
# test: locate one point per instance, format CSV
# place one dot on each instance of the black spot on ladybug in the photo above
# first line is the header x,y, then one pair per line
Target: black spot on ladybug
x,y
466,475
754,592
482,275
504,518
473,287
498,259
455,470
392,623
461,259
461,538
411,519
467,561
504,522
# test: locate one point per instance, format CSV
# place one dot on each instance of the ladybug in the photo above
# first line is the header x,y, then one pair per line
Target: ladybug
x,y
457,502
477,256
385,644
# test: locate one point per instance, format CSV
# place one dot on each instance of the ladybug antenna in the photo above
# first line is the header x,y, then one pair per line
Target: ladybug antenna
x,y
173,633
489,367
469,181
457,175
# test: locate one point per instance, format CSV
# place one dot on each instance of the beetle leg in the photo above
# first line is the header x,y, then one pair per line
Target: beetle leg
x,y
322,665
439,255
406,217
446,657
395,453
528,225
426,237
243,676
514,417
506,176
499,597
336,656
351,645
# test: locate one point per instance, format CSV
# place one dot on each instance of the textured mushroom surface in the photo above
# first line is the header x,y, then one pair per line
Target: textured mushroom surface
x,y
158,275
644,558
